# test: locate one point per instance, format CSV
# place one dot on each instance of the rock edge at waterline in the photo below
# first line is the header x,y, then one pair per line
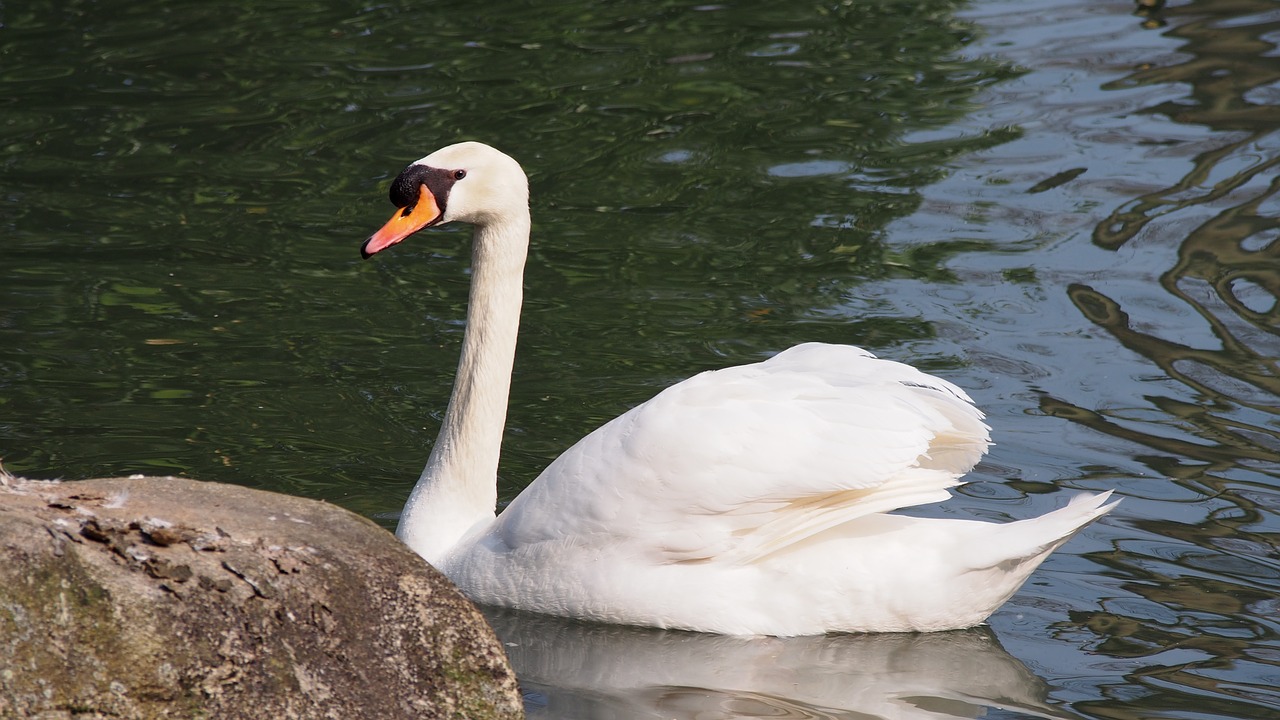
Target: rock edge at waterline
x,y
169,597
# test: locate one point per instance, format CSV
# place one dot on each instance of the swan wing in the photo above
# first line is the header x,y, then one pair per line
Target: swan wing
x,y
737,464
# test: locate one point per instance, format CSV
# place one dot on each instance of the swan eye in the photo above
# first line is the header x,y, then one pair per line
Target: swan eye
x,y
459,174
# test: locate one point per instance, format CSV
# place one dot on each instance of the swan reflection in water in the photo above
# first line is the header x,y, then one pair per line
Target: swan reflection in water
x,y
571,670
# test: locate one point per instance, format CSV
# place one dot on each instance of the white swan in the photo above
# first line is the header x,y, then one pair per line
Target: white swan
x,y
748,501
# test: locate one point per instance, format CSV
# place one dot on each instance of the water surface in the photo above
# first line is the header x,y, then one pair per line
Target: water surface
x,y
1067,208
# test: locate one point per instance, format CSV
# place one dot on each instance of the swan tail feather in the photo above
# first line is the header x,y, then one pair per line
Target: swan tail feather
x,y
1031,540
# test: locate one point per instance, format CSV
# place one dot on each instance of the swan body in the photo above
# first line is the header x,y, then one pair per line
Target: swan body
x,y
752,500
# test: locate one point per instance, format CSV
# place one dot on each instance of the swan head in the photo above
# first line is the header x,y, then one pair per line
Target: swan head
x,y
468,182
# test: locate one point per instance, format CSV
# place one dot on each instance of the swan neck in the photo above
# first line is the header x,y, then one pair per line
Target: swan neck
x,y
458,487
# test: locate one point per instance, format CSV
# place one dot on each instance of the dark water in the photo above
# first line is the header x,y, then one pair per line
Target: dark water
x,y
1067,208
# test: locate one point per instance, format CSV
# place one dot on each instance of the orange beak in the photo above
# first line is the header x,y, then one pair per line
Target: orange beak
x,y
405,222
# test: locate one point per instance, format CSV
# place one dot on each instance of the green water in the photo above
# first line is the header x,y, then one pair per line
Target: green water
x,y
1065,208
187,189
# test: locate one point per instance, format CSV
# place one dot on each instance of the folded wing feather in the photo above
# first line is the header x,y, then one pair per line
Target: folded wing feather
x,y
734,465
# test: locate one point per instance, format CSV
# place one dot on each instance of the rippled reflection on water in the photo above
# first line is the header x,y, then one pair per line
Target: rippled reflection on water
x,y
1161,271
575,670
1088,241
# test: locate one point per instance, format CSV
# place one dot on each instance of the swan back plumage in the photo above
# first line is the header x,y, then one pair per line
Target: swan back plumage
x,y
736,463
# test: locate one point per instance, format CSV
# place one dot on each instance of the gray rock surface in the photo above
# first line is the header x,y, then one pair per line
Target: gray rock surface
x,y
172,598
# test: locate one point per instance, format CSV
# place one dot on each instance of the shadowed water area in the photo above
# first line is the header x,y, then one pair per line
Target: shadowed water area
x,y
1069,209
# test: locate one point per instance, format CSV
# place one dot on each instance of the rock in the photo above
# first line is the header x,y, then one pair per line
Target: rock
x,y
172,598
